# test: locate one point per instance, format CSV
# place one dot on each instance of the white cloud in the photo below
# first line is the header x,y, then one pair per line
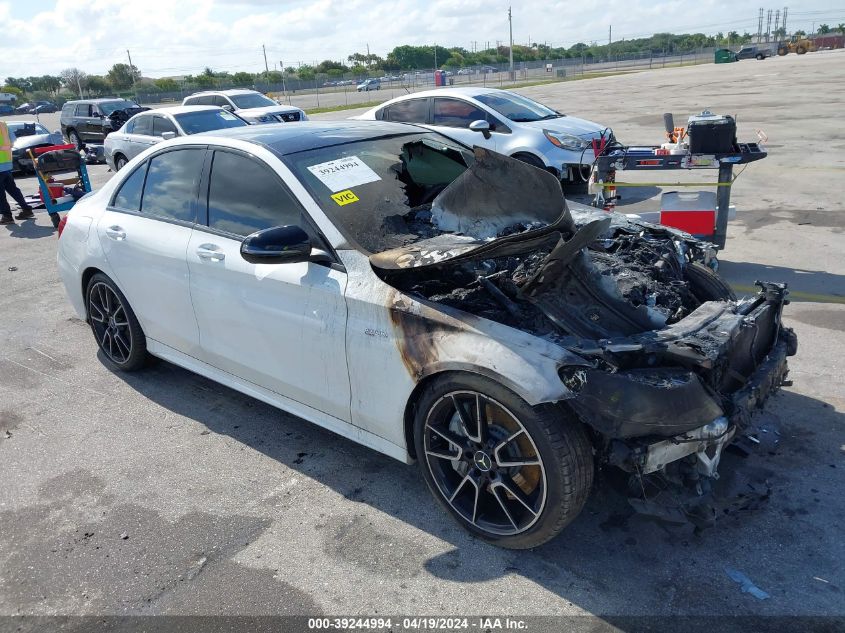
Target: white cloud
x,y
167,38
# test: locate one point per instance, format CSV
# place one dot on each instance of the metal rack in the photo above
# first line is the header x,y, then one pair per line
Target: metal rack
x,y
654,158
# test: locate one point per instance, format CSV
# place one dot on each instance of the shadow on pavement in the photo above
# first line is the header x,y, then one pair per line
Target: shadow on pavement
x,y
28,229
779,539
804,285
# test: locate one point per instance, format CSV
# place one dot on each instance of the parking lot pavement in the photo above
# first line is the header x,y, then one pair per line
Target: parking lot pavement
x,y
162,492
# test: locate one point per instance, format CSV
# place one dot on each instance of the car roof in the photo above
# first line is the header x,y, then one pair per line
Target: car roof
x,y
290,138
102,100
468,91
231,91
171,110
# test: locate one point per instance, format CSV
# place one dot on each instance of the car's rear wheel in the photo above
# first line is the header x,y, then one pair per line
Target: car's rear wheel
x,y
115,326
119,162
73,138
513,474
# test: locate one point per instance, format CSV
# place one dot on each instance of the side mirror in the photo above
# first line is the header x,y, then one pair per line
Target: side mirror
x,y
166,136
481,126
228,108
277,245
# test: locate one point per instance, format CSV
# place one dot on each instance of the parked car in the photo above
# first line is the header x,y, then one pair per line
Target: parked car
x,y
393,286
148,128
92,120
43,107
24,108
503,121
28,135
753,52
369,84
249,105
5,108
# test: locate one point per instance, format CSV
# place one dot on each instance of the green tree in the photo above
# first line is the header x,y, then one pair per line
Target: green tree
x,y
800,33
841,28
327,65
243,79
205,81
306,72
12,90
98,85
21,83
208,72
166,84
123,76
780,33
823,29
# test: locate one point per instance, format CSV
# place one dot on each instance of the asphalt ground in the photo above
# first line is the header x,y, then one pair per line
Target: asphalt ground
x,y
161,492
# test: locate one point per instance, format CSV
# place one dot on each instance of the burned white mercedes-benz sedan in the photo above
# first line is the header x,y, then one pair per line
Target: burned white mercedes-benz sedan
x,y
434,303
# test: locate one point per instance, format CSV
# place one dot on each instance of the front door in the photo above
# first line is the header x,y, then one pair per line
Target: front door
x,y
452,117
280,326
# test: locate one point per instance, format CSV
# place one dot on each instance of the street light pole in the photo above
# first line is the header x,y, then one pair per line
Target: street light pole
x,y
510,50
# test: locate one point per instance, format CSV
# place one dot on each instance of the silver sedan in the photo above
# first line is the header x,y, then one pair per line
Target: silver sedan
x,y
153,126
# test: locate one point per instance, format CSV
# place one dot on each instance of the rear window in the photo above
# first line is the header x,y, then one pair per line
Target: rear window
x,y
171,187
129,195
410,111
207,120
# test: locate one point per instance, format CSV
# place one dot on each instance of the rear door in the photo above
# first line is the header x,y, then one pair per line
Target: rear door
x,y
280,326
145,232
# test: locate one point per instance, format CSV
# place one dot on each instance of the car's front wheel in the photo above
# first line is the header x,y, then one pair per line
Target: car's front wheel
x,y
115,326
119,162
513,474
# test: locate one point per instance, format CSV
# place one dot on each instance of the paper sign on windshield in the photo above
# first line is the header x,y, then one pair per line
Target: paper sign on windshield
x,y
344,173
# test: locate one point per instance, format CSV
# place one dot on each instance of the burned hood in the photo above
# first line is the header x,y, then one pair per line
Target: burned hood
x,y
497,203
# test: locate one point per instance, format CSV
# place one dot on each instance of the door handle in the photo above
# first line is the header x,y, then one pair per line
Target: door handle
x,y
116,233
210,252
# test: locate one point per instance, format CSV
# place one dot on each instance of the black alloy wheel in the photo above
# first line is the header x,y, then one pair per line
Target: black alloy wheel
x,y
115,327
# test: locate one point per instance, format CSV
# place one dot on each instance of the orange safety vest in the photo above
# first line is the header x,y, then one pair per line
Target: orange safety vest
x,y
5,144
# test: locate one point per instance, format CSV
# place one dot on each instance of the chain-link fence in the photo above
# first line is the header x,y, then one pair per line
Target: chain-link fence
x,y
336,91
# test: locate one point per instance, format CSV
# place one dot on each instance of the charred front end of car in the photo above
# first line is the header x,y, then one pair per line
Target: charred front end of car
x,y
670,365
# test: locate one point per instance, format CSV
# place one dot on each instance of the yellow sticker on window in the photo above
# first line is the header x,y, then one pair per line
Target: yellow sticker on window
x,y
344,197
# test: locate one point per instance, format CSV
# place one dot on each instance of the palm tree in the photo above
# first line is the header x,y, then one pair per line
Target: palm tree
x,y
824,29
841,28
733,36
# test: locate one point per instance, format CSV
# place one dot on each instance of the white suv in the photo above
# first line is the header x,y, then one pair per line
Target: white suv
x,y
248,104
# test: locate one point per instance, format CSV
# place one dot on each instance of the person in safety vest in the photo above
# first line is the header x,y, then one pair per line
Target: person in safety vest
x,y
7,182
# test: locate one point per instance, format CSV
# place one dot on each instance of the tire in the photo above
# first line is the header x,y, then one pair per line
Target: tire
x,y
114,324
706,285
800,50
542,453
73,137
530,159
119,162
759,56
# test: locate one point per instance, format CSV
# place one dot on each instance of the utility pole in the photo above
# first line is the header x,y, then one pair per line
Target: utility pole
x,y
510,48
266,65
131,73
609,36
784,20
760,26
768,25
777,19
435,56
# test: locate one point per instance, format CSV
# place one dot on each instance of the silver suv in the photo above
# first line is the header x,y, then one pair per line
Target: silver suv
x,y
248,104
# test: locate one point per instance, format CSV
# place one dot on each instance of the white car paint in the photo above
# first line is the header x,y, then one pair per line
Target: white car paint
x,y
317,342
509,137
270,113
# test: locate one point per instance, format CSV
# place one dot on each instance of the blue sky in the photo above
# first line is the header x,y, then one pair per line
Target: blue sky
x,y
166,37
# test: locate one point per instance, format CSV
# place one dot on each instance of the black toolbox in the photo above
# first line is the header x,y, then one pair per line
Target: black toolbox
x,y
711,133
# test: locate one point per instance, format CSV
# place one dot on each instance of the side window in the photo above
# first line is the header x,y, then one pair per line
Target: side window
x,y
130,126
381,115
162,125
83,109
191,101
143,125
171,186
244,196
410,111
456,113
129,195
205,100
220,100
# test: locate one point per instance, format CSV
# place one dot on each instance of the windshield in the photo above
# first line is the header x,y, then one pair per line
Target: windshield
x,y
516,107
379,191
110,106
206,120
254,100
18,129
